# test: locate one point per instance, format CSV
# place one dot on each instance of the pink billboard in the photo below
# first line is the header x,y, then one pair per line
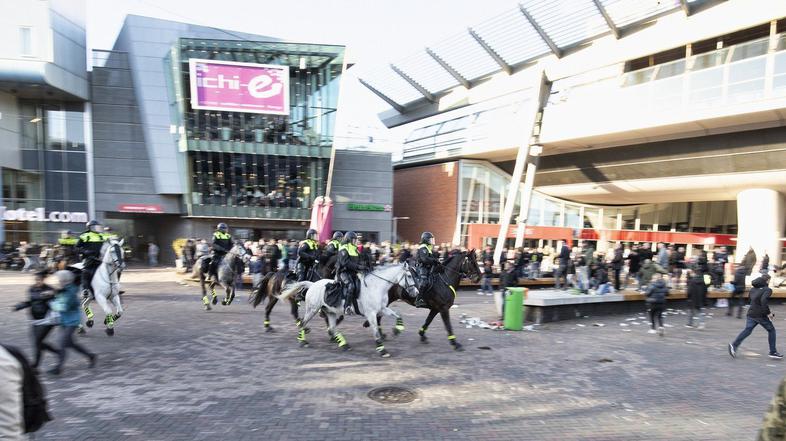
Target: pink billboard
x,y
239,87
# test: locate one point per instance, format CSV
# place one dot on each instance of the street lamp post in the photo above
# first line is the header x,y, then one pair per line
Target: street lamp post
x,y
394,233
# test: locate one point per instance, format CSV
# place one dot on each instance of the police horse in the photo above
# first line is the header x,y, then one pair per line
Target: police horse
x,y
372,301
273,284
441,294
227,272
106,284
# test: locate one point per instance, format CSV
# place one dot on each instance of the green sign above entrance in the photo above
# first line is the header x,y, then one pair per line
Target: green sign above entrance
x,y
368,207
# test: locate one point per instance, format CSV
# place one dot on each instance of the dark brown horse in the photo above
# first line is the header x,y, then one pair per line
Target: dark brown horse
x,y
442,294
273,283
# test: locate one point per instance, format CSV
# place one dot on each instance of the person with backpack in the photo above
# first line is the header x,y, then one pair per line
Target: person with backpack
x,y
23,405
66,302
39,296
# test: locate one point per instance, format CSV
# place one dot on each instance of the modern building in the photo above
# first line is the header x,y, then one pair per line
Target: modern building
x,y
44,130
195,125
361,188
614,120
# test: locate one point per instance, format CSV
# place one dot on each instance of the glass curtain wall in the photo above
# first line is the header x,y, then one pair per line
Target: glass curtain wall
x,y
259,165
484,187
54,168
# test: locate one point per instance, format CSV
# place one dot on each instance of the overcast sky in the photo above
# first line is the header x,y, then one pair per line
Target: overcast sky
x,y
376,32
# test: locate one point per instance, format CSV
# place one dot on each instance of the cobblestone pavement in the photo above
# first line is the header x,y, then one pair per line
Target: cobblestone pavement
x,y
175,372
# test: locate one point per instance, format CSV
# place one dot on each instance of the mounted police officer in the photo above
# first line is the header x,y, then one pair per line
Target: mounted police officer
x,y
347,267
89,248
222,243
308,257
427,265
331,249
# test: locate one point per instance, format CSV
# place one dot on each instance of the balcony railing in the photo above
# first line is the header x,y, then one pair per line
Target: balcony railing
x,y
745,73
266,213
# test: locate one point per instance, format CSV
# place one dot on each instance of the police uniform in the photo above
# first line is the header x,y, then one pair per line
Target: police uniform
x,y
427,262
347,267
307,257
89,247
222,243
331,249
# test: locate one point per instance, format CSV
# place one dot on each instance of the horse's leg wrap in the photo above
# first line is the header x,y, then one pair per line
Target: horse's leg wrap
x,y
342,341
267,323
399,325
301,337
381,349
109,321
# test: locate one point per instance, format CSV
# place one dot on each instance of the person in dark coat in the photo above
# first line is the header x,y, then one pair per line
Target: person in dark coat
x,y
697,291
616,265
749,261
736,298
758,314
562,267
656,295
38,299
634,265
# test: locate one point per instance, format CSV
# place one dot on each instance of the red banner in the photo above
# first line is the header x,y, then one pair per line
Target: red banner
x,y
139,208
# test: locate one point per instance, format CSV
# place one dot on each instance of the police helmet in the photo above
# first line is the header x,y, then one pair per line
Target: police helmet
x,y
222,227
338,235
311,234
350,237
426,237
93,225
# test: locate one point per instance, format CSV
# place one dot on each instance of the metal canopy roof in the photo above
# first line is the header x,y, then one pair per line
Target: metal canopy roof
x,y
528,31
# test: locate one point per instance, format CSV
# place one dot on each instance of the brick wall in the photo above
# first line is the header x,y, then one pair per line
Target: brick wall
x,y
428,196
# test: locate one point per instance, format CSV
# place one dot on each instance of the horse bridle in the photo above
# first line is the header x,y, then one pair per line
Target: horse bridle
x,y
407,285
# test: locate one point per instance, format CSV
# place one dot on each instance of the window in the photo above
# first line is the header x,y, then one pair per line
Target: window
x,y
26,41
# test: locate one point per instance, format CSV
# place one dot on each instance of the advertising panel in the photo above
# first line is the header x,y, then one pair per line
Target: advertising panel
x,y
239,87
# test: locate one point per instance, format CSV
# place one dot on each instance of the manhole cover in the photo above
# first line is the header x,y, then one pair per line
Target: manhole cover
x,y
393,395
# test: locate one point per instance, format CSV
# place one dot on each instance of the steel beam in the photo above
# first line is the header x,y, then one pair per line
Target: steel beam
x,y
463,81
612,26
554,48
384,97
414,84
505,66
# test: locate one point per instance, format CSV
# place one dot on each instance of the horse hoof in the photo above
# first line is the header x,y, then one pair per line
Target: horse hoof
x,y
345,348
207,307
89,323
396,332
303,344
384,354
423,339
110,332
269,329
458,348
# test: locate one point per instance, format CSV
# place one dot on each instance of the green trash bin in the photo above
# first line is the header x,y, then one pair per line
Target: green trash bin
x,y
514,309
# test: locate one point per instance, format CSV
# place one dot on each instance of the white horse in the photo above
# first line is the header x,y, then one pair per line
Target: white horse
x,y
372,301
106,284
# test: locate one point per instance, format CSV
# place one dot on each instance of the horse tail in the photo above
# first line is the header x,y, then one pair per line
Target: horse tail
x,y
295,289
259,294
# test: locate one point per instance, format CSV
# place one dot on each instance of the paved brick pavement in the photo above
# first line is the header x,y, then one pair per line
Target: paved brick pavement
x,y
174,372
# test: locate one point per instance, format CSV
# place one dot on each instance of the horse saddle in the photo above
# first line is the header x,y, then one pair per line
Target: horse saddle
x,y
333,294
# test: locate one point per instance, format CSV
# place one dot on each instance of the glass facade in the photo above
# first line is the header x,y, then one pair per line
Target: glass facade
x,y
54,169
258,165
481,204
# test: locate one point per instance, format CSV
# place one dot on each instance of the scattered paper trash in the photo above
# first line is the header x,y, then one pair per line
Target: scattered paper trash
x,y
623,324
